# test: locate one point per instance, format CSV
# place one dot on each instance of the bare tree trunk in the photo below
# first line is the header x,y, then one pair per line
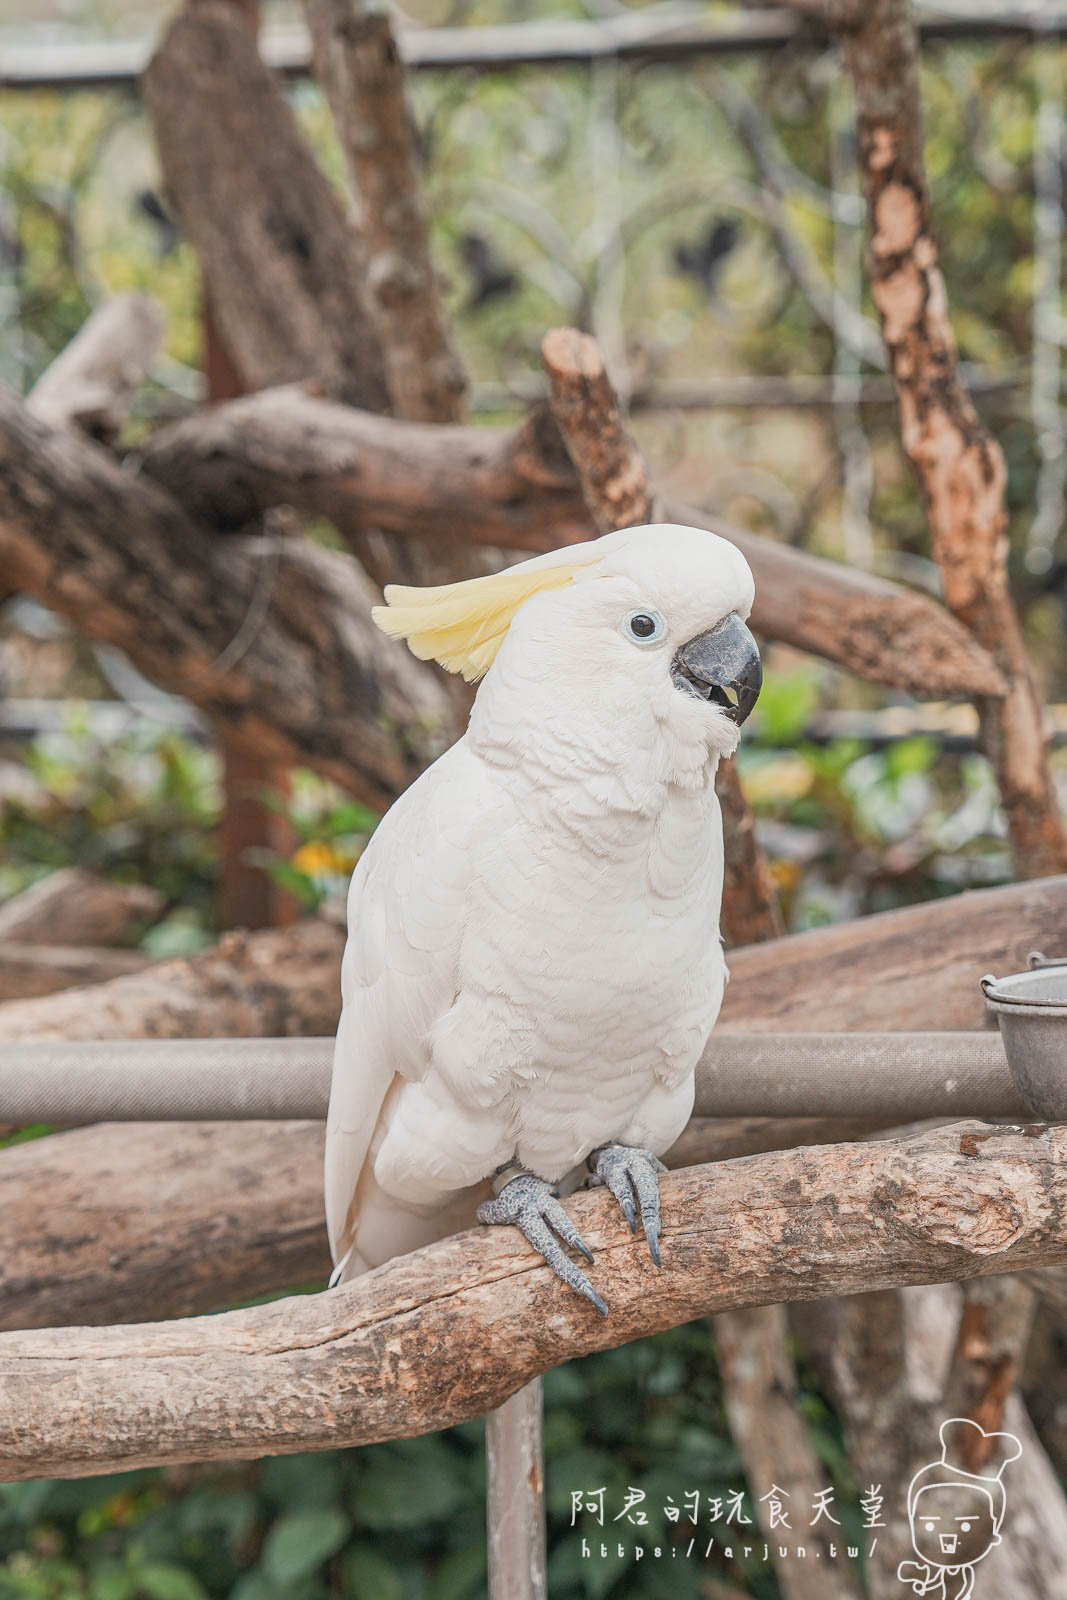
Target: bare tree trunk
x,y
79,909
267,227
760,1390
450,1331
358,65
959,465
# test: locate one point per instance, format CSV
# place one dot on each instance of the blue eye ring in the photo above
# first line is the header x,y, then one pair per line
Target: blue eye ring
x,y
644,626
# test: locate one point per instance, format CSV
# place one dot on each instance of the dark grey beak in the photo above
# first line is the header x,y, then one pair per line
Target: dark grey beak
x,y
721,666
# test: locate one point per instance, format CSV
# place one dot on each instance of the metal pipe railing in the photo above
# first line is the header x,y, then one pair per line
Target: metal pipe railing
x,y
898,1075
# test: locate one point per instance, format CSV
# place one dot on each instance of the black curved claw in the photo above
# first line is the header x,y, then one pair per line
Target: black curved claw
x,y
530,1204
627,1170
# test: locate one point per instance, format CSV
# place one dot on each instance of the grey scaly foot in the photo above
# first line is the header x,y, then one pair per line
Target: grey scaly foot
x,y
532,1206
628,1170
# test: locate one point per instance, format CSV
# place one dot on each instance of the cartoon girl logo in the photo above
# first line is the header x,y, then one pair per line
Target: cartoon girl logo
x,y
956,1509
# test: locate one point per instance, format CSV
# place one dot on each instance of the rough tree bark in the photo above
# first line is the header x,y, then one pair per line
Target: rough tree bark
x,y
271,636
517,489
280,981
92,384
610,469
267,227
449,1332
357,63
959,465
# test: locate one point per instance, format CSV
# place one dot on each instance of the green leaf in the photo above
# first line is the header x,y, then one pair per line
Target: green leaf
x,y
460,1576
160,1580
368,1573
408,1486
297,1544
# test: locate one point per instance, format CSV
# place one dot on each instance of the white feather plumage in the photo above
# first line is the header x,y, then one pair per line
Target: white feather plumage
x,y
534,963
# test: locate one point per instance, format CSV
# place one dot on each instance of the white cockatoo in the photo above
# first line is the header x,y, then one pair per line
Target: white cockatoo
x,y
533,962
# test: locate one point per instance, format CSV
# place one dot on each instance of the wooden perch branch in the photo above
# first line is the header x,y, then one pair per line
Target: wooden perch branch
x,y
266,224
449,1332
271,636
517,489
357,63
959,465
170,1219
91,384
282,981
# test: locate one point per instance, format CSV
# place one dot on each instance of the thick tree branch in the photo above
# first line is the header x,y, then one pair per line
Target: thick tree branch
x,y
283,981
272,636
267,227
874,973
517,489
79,908
449,1332
959,465
358,65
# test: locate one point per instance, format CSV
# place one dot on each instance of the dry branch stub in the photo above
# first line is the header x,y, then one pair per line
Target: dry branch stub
x,y
450,1331
93,381
610,470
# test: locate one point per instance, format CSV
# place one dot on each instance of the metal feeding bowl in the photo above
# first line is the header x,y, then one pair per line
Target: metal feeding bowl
x,y
1031,1009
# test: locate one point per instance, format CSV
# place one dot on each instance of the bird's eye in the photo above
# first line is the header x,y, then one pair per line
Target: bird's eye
x,y
644,627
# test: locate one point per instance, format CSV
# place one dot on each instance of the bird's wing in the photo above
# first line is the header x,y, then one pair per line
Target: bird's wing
x,y
406,911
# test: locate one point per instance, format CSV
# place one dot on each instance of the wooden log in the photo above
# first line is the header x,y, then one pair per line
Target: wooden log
x,y
449,1332
78,908
266,224
914,968
271,636
28,971
359,67
282,981
516,489
92,383
959,465
171,1219
152,1219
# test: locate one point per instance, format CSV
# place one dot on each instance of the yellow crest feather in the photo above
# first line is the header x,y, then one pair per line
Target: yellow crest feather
x,y
462,625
